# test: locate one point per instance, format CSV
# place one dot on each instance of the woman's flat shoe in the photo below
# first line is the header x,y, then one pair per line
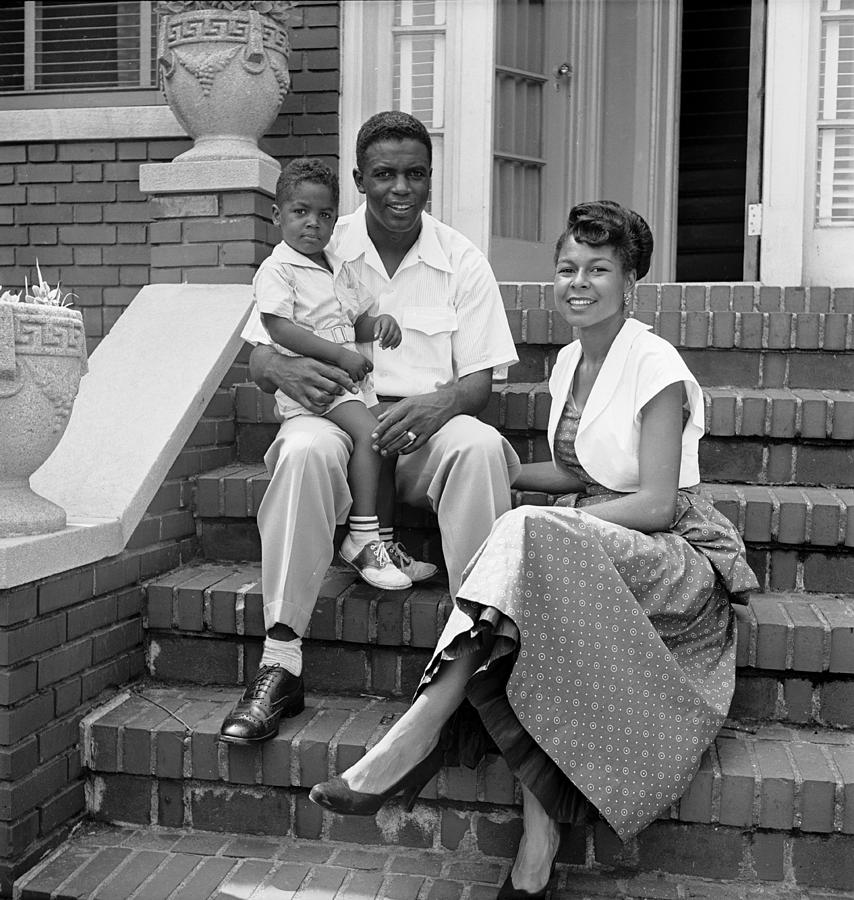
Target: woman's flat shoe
x,y
508,892
334,795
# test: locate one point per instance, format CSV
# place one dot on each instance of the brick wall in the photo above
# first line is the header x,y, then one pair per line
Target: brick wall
x,y
67,641
76,206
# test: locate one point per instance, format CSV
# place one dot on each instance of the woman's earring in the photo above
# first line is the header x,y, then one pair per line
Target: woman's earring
x,y
627,297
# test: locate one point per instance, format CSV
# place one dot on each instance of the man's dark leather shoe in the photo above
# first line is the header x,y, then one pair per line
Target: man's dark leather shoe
x,y
255,717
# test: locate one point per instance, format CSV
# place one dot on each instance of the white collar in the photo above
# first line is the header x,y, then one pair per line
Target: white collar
x,y
427,248
284,253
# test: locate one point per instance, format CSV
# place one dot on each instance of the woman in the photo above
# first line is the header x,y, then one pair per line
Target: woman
x,y
592,642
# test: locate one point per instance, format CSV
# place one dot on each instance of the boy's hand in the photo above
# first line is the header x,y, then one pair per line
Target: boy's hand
x,y
354,364
387,331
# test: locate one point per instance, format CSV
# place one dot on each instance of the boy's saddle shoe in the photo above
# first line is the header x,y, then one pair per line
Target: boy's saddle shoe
x,y
255,717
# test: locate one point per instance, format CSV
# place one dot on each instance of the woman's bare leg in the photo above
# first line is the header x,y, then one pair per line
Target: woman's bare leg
x,y
414,735
538,847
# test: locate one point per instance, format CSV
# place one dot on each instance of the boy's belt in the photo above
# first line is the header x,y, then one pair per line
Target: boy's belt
x,y
338,334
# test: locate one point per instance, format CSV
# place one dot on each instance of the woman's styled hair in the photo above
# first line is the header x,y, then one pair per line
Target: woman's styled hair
x,y
304,169
602,223
391,125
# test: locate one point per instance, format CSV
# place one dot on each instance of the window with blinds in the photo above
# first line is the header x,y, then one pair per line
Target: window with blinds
x,y
57,46
418,73
835,168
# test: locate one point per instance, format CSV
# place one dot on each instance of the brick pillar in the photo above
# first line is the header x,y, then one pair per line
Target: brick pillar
x,y
211,220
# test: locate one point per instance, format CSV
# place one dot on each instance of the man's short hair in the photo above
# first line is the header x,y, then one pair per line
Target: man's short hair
x,y
391,125
304,169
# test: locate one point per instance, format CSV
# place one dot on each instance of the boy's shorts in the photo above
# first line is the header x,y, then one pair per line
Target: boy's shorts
x,y
288,408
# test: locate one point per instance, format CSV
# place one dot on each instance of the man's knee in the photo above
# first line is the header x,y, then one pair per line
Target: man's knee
x,y
320,449
471,438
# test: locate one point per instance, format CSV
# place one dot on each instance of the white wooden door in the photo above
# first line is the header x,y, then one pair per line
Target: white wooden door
x,y
531,154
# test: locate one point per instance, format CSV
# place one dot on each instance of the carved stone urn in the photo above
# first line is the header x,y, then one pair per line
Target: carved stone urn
x,y
224,71
42,358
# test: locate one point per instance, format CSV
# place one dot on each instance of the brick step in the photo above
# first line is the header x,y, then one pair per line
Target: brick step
x,y
797,538
204,624
153,758
179,864
776,436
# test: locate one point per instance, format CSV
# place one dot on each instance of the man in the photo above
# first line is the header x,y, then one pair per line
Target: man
x,y
440,289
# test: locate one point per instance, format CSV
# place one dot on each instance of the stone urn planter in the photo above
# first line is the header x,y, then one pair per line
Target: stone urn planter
x,y
224,71
42,358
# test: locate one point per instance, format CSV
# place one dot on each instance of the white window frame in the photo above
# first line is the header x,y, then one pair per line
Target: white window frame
x,y
127,114
462,168
794,250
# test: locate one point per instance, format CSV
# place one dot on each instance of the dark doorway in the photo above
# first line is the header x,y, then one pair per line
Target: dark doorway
x,y
713,139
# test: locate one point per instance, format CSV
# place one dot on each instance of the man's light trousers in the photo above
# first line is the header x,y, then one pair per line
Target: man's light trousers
x,y
463,474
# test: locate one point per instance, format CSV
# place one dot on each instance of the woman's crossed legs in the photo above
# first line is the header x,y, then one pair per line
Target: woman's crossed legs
x,y
415,734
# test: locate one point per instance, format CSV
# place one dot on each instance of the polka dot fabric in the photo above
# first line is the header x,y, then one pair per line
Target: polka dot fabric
x,y
626,651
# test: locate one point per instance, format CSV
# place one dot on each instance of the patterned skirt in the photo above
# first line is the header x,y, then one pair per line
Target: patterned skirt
x,y
611,660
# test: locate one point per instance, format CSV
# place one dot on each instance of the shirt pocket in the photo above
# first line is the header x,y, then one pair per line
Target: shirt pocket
x,y
428,345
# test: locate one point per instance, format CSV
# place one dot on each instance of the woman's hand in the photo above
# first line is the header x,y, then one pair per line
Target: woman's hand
x,y
387,331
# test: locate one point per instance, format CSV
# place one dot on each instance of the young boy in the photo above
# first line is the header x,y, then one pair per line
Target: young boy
x,y
310,306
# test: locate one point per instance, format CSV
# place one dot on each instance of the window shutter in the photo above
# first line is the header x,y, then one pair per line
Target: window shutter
x,y
835,168
58,46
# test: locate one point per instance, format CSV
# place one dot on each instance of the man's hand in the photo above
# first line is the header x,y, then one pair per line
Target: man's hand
x,y
311,383
387,331
407,425
420,416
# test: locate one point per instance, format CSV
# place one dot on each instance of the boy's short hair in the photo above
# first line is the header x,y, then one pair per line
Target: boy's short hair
x,y
304,169
392,125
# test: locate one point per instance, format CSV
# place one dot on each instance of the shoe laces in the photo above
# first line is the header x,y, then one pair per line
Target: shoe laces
x,y
398,552
378,548
262,682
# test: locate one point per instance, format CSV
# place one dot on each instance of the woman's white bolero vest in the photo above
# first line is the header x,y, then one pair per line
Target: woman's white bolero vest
x,y
638,366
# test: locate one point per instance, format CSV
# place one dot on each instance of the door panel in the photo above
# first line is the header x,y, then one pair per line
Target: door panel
x,y
530,147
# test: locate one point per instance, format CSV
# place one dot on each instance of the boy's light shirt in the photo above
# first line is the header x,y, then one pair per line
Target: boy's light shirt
x,y
294,287
444,297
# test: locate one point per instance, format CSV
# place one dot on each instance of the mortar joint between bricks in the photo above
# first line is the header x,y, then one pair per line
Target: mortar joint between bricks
x,y
241,663
373,624
207,604
222,765
240,611
798,787
849,333
842,527
826,636
775,514
790,636
717,783
780,708
756,811
154,802
838,788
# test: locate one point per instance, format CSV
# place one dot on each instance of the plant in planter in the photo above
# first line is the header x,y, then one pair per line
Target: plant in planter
x,y
224,68
42,359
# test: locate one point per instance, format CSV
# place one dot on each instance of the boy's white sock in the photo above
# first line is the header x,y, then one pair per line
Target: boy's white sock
x,y
387,536
287,654
363,530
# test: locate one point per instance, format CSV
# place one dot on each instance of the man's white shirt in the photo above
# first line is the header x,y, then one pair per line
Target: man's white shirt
x,y
444,297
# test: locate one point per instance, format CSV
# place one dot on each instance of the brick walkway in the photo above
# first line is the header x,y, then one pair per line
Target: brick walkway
x,y
106,862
